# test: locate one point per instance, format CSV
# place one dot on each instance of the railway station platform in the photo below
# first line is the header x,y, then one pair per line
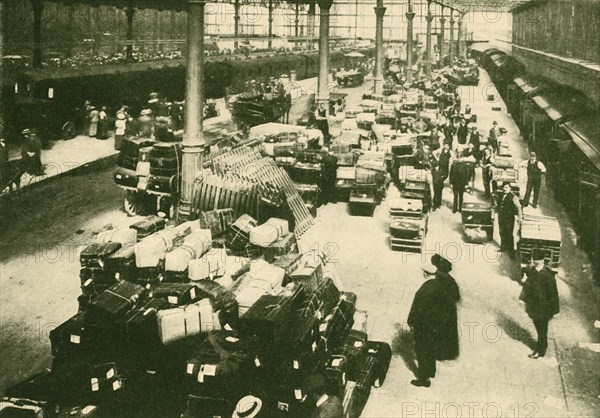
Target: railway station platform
x,y
493,377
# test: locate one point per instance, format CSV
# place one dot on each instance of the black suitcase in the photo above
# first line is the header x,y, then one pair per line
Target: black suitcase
x,y
148,226
122,258
114,302
222,299
207,407
267,319
382,353
79,335
177,293
94,255
336,374
162,184
406,228
321,300
141,324
89,276
338,324
305,173
477,214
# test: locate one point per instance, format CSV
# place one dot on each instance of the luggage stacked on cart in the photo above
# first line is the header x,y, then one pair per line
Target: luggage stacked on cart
x,y
408,225
345,182
541,233
125,172
165,167
416,186
504,170
478,222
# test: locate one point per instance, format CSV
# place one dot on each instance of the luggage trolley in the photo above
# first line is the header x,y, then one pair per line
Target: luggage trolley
x,y
408,225
417,186
478,222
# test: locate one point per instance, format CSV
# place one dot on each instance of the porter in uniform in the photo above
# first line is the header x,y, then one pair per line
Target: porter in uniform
x,y
535,169
508,207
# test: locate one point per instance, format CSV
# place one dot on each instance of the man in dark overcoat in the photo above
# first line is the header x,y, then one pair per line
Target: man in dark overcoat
x,y
460,176
433,319
507,207
540,296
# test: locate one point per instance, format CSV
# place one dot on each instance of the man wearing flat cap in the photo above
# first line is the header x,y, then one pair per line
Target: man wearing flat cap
x,y
540,296
433,319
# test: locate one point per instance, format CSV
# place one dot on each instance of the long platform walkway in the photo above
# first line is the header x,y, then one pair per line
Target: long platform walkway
x,y
493,375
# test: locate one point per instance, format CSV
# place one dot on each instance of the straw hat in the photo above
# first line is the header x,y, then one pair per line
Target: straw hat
x,y
247,407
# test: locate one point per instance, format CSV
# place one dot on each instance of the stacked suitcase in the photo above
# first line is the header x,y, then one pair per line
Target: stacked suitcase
x,y
416,186
147,333
478,222
408,225
541,233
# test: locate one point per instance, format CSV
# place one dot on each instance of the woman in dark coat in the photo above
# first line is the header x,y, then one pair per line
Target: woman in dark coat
x,y
433,319
540,295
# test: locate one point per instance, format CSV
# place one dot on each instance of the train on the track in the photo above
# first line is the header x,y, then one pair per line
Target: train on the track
x,y
51,99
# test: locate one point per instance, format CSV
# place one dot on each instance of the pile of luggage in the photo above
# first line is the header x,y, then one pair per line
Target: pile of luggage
x,y
213,310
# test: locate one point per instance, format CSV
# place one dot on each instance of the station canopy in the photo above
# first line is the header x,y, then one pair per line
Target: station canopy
x,y
482,5
460,5
169,4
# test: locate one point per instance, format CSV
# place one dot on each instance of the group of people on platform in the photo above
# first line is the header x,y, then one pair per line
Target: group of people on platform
x,y
433,315
158,119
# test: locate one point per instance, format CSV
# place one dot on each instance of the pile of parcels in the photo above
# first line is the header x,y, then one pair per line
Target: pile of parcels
x,y
171,317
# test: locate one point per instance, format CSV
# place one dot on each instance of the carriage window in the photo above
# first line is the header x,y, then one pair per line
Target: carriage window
x,y
50,93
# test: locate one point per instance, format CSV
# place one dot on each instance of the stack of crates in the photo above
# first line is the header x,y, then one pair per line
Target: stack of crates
x,y
542,233
408,225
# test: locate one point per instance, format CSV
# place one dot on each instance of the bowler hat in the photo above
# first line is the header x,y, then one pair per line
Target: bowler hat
x,y
441,263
